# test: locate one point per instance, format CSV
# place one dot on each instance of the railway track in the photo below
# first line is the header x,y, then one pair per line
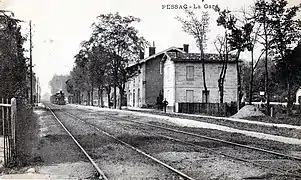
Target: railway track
x,y
282,155
100,172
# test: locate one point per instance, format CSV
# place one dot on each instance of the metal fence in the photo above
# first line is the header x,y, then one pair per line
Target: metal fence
x,y
8,110
216,109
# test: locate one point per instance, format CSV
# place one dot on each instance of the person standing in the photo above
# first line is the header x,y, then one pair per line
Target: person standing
x,y
165,103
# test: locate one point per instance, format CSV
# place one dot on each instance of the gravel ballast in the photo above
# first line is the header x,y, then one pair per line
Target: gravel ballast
x,y
126,130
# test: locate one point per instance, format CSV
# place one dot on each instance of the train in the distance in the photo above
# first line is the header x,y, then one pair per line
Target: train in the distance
x,y
58,98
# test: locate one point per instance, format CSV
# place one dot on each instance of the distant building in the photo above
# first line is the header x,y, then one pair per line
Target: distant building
x,y
176,74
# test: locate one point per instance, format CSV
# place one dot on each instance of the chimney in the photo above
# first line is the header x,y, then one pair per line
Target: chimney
x,y
141,55
152,50
186,47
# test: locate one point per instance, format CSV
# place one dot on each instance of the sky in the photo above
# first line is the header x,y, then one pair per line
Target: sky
x,y
60,25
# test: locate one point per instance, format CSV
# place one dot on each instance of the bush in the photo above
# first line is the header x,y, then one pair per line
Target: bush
x,y
26,126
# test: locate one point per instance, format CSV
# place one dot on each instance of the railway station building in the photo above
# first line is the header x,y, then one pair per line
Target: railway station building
x,y
176,75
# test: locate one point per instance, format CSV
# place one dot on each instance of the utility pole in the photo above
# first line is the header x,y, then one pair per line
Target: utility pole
x,y
30,58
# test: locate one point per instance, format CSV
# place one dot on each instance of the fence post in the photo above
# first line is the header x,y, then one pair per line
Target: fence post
x,y
13,124
3,127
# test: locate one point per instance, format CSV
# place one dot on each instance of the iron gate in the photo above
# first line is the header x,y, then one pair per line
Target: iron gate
x,y
8,130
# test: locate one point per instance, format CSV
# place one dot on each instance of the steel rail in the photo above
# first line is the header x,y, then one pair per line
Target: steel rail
x,y
287,172
134,148
233,157
101,174
220,140
215,139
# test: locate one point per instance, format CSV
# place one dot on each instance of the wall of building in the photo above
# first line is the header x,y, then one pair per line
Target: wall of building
x,y
142,85
169,82
135,89
212,74
153,81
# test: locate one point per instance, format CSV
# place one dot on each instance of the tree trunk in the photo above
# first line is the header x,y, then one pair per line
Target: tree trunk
x,y
221,82
266,79
203,66
289,101
79,97
115,84
100,97
252,78
121,93
92,98
222,75
204,81
266,84
88,98
115,97
74,98
238,81
109,99
221,92
204,74
108,90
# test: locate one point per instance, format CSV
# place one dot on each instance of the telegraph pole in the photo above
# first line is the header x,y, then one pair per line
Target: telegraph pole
x,y
30,58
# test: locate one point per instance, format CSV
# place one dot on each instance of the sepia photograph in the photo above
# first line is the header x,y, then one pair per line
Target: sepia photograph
x,y
150,90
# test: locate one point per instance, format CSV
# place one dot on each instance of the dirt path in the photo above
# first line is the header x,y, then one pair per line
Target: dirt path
x,y
54,154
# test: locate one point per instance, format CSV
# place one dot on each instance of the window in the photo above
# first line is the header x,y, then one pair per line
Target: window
x,y
189,73
189,96
204,100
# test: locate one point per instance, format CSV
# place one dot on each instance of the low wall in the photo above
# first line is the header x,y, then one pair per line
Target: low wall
x,y
215,109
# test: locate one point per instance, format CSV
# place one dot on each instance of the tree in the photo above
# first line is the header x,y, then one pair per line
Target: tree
x,y
70,89
262,16
198,29
222,48
100,71
247,15
238,37
13,63
81,70
120,39
286,35
260,80
75,84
